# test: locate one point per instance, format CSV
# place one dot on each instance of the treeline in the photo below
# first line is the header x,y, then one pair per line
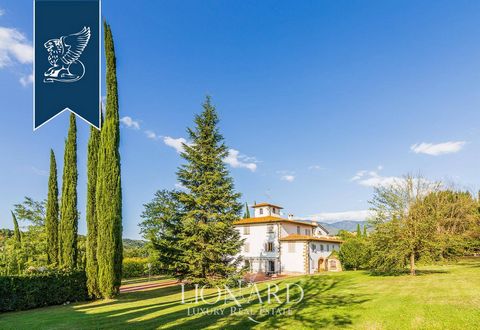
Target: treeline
x,y
414,220
52,242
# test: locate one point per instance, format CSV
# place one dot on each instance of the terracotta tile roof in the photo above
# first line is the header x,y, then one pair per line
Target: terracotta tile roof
x,y
270,219
266,204
296,237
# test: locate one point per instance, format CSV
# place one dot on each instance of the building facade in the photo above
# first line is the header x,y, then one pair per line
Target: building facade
x,y
277,245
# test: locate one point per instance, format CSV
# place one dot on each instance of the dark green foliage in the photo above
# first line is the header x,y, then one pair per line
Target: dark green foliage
x,y
365,233
91,245
39,290
354,253
108,189
209,204
247,212
68,212
359,232
51,218
162,226
16,230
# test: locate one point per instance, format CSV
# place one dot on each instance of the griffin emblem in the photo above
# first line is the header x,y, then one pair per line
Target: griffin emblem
x,y
64,54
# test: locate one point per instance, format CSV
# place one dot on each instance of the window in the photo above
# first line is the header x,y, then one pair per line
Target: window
x,y
271,266
248,266
328,248
270,229
333,264
314,247
298,230
321,247
307,232
269,247
274,211
246,230
246,247
291,247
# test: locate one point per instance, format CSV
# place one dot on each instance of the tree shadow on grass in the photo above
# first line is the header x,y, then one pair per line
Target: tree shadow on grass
x,y
327,302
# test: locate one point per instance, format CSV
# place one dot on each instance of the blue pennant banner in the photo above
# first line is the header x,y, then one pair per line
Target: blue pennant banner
x,y
67,60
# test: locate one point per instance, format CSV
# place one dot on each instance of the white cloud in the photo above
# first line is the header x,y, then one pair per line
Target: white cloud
x,y
315,168
288,178
437,149
373,179
330,217
177,144
151,135
38,171
2,12
14,47
130,123
237,160
26,80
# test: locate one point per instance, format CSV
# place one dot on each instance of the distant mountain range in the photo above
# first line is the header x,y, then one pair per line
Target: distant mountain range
x,y
349,225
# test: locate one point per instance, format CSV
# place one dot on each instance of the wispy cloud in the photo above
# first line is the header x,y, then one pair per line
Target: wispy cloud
x,y
130,122
38,171
330,217
315,168
151,135
26,80
373,179
2,12
288,176
14,47
236,160
438,149
177,144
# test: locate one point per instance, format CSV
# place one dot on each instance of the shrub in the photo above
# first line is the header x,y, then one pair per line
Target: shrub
x,y
134,267
41,289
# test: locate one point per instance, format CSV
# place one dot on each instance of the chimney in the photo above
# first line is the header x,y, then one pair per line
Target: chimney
x,y
290,216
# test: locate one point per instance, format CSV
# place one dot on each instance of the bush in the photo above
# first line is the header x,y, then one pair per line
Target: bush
x,y
134,267
41,289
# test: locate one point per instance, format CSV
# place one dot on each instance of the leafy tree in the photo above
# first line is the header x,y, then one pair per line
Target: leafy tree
x,y
108,201
247,212
91,244
31,210
353,253
51,218
210,204
68,210
162,226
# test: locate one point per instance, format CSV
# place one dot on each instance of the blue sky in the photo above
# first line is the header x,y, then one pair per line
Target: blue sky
x,y
320,100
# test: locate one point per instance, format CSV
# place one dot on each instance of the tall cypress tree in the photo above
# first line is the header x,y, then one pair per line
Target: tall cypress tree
x,y
16,230
210,204
68,211
91,246
359,232
51,218
247,212
108,189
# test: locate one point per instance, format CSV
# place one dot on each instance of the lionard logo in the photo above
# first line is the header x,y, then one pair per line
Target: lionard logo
x,y
64,57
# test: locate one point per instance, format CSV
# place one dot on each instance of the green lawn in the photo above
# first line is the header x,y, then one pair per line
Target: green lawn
x,y
440,297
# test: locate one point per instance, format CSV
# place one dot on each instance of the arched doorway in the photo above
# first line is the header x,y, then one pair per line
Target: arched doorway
x,y
320,265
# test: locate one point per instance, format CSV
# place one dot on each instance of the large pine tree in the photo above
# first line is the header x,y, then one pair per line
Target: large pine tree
x,y
91,246
210,204
68,211
108,189
51,217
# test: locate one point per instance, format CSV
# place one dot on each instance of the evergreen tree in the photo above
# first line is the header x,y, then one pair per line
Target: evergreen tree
x,y
51,218
365,234
247,212
108,190
68,211
210,204
16,231
91,246
359,232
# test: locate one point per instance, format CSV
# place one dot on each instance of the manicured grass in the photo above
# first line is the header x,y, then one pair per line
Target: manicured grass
x,y
440,297
145,280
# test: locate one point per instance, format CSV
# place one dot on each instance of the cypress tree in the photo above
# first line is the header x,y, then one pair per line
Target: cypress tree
x,y
365,234
359,232
247,212
91,246
16,230
210,204
51,218
108,189
68,211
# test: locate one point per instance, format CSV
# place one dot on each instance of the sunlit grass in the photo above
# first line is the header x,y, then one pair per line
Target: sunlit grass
x,y
441,297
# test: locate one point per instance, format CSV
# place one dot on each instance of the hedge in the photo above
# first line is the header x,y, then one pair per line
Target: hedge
x,y
134,267
38,290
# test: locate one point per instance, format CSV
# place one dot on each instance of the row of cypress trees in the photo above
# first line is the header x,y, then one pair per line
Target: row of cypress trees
x,y
104,197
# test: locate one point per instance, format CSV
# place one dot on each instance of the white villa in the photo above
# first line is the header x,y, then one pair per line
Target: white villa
x,y
276,245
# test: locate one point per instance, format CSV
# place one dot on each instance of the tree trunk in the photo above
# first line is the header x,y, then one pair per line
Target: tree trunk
x,y
412,263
